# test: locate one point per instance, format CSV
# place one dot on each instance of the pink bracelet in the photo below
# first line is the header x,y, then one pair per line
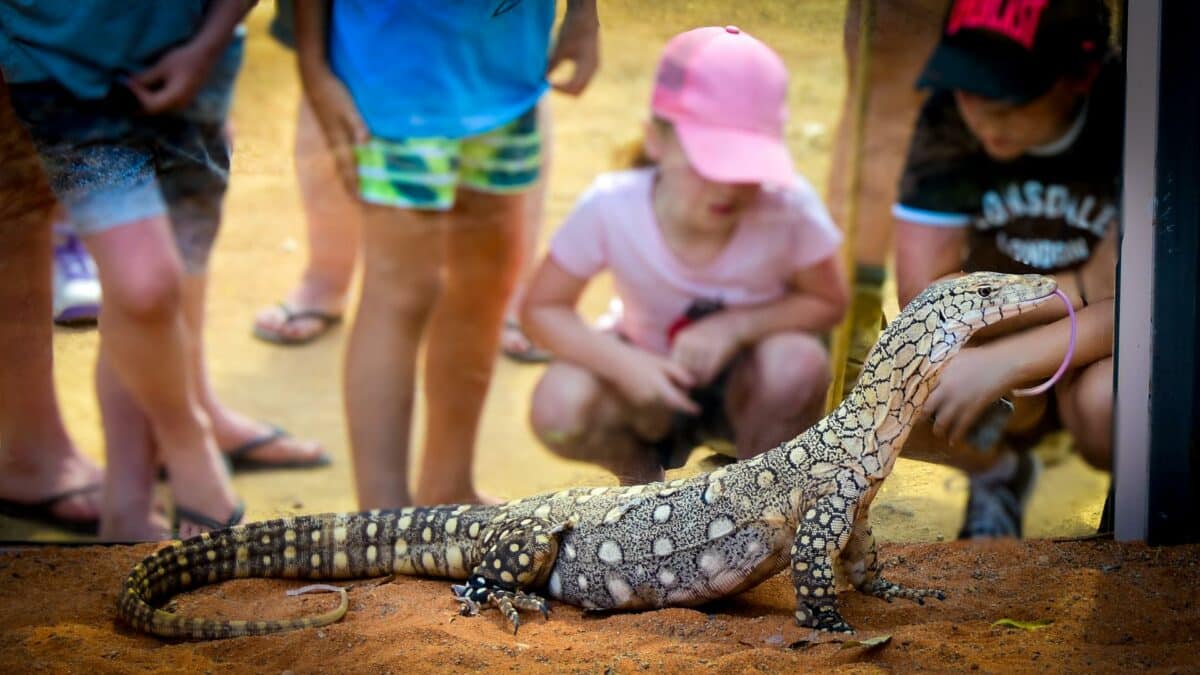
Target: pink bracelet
x,y
1062,368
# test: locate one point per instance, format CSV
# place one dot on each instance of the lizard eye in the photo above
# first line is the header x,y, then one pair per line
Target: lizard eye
x,y
985,291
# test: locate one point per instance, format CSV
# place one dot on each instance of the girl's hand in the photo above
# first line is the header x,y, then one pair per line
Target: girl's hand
x,y
340,121
704,347
973,379
173,81
651,380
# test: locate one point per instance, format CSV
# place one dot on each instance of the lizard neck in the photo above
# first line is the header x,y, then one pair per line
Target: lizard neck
x,y
877,416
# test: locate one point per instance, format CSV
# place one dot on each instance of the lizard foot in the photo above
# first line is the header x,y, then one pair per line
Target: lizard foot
x,y
882,588
822,617
479,591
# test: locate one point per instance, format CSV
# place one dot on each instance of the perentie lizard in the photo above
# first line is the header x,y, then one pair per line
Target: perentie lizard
x,y
802,506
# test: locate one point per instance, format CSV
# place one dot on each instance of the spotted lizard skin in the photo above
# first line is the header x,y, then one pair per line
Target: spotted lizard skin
x,y
801,506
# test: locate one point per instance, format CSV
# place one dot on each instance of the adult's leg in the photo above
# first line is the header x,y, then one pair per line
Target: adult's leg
x,y
776,391
142,278
482,259
231,428
580,417
37,461
332,223
401,282
903,35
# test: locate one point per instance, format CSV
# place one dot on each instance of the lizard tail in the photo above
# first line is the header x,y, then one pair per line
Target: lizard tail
x,y
309,547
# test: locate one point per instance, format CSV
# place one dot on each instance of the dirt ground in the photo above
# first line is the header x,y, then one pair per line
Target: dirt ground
x,y
1112,609
1115,607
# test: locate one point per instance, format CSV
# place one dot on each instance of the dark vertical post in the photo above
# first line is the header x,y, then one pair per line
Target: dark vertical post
x,y
1174,486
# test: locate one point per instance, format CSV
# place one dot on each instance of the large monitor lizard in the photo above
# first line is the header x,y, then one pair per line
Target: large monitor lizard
x,y
802,506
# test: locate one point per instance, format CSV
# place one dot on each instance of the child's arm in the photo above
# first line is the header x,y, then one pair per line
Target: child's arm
x,y
578,42
549,316
925,254
173,81
977,376
816,302
331,102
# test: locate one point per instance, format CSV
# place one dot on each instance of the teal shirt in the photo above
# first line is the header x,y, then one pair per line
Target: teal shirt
x,y
87,46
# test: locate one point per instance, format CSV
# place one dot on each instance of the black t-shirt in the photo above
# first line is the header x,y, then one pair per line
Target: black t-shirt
x,y
1042,212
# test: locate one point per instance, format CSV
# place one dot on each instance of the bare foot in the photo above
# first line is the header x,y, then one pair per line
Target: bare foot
x,y
144,526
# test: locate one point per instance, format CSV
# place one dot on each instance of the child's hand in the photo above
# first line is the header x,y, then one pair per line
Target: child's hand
x,y
972,380
578,42
704,347
342,125
173,81
651,380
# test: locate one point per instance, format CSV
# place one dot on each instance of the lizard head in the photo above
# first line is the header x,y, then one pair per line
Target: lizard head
x,y
939,321
957,308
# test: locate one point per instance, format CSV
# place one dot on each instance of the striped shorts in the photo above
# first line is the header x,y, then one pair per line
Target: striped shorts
x,y
425,173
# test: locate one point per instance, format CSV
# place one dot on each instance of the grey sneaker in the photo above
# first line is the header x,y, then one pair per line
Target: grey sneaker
x,y
995,509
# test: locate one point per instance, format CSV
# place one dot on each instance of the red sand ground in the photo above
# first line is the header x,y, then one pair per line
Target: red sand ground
x,y
1115,608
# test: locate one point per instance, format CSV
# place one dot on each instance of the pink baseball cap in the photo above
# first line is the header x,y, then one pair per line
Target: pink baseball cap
x,y
726,95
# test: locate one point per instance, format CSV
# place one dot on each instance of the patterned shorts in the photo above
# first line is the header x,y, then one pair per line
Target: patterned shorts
x,y
425,173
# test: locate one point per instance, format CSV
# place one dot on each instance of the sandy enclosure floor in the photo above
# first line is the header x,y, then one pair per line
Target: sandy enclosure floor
x,y
1113,609
261,251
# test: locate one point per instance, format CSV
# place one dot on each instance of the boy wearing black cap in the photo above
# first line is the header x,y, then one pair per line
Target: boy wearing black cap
x,y
1014,167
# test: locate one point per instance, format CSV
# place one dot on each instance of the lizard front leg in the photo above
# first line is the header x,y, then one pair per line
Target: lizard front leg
x,y
860,564
823,532
517,554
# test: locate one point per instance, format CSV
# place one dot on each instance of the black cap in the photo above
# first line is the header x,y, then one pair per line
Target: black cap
x,y
1015,50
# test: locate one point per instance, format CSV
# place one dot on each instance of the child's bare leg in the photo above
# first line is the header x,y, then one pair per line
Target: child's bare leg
x,y
38,460
401,283
483,255
141,275
513,339
332,225
579,417
1086,405
777,391
130,462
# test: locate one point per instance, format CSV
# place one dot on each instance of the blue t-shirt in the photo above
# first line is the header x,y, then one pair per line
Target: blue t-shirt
x,y
450,68
87,46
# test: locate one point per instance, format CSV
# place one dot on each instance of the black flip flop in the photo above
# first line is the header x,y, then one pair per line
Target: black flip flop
x,y
43,511
240,461
326,319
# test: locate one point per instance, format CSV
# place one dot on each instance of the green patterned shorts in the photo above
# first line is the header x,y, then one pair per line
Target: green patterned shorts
x,y
425,173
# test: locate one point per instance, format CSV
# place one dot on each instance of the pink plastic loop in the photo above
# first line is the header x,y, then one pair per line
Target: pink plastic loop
x,y
1062,368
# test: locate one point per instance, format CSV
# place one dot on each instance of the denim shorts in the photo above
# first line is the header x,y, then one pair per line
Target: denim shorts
x,y
110,164
425,173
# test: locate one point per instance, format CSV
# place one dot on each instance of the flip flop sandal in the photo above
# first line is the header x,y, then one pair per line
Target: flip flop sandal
x,y
326,320
239,458
210,524
43,511
531,354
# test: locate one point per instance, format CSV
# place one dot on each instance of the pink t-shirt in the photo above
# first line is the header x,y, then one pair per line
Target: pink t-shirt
x,y
613,226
